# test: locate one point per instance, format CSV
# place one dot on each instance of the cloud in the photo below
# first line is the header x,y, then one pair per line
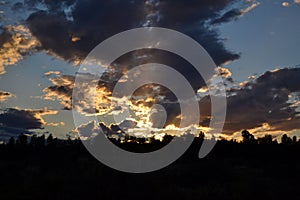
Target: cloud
x,y
89,130
24,119
49,73
5,95
95,99
224,72
234,14
90,22
228,16
15,42
285,4
99,100
61,90
270,99
268,103
56,124
93,21
87,23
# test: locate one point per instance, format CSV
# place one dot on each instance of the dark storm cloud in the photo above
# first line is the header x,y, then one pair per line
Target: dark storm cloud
x,y
228,16
272,98
7,132
190,17
24,119
234,14
94,20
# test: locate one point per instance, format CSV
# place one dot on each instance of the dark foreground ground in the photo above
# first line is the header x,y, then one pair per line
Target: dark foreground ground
x,y
231,171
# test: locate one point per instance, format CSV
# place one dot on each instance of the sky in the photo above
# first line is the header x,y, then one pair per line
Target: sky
x,y
255,45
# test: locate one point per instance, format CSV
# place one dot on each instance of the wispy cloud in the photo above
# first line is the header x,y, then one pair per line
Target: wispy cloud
x,y
24,118
49,73
55,124
5,95
234,14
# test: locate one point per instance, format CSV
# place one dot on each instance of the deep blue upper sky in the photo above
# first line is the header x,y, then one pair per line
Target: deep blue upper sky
x,y
267,38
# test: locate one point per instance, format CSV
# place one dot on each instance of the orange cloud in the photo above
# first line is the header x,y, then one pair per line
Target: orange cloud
x,y
51,73
285,4
16,41
5,95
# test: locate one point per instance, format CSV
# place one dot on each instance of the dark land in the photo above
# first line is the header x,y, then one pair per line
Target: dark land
x,y
47,168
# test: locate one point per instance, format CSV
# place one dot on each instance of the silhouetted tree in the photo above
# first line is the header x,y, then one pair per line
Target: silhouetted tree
x,y
248,138
22,139
50,139
69,140
11,142
33,140
40,141
267,139
201,135
167,138
141,140
126,138
286,139
294,139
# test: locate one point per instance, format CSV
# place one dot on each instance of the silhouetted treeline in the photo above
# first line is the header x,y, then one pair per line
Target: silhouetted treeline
x,y
141,144
44,167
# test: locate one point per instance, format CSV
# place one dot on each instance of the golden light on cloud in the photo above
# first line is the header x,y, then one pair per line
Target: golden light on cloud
x,y
56,124
5,95
41,112
243,84
75,39
101,100
17,42
285,4
224,72
203,90
51,73
61,90
251,7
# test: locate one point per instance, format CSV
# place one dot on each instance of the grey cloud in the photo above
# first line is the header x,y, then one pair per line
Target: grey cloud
x,y
24,119
266,100
234,14
228,16
93,21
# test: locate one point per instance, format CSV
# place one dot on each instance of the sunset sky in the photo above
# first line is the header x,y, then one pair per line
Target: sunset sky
x,y
256,45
